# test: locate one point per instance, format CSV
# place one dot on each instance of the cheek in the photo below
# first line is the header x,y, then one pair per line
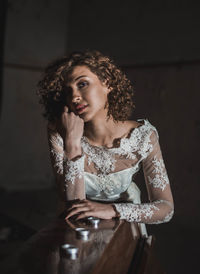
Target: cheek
x,y
96,96
101,96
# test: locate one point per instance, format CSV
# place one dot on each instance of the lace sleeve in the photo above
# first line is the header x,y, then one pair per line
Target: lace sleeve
x,y
69,173
160,209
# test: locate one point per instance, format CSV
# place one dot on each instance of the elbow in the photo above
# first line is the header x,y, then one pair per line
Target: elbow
x,y
166,218
170,213
169,216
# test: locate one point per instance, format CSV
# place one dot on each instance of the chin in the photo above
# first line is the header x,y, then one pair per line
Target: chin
x,y
85,118
89,116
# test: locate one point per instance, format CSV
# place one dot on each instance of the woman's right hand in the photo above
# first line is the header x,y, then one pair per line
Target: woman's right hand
x,y
73,125
72,131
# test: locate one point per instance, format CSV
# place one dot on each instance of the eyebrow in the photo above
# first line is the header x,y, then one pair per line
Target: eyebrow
x,y
72,81
79,77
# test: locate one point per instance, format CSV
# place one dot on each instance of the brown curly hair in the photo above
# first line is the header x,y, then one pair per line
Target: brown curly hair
x,y
50,88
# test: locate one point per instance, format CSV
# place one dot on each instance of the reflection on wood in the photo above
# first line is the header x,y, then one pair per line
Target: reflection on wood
x,y
118,254
115,247
144,260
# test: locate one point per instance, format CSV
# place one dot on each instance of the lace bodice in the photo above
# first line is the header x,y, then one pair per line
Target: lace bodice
x,y
107,174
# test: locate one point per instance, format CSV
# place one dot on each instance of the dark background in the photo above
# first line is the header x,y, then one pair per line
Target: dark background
x,y
157,44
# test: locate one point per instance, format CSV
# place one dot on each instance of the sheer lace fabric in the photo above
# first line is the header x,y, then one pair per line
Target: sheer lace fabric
x,y
106,174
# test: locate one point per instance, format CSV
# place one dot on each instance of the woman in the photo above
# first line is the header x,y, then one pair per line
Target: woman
x,y
95,149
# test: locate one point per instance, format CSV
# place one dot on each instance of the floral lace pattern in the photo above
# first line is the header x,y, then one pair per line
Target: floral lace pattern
x,y
141,147
160,180
138,212
74,169
56,139
166,219
58,161
104,159
109,185
134,213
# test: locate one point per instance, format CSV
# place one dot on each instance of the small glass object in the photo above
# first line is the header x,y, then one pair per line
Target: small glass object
x,y
70,250
94,221
82,233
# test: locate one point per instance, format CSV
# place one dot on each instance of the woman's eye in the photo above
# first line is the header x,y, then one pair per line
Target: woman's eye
x,y
82,84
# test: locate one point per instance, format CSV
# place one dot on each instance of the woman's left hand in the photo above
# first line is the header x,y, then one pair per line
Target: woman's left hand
x,y
86,208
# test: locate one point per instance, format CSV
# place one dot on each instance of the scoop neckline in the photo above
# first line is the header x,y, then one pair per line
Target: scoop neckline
x,y
130,134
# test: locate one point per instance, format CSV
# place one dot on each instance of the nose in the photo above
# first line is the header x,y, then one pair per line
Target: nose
x,y
76,99
76,96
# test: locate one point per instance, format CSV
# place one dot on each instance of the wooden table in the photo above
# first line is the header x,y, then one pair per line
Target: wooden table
x,y
114,247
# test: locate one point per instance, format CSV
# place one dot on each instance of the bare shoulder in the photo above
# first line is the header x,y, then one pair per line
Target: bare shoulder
x,y
128,126
133,124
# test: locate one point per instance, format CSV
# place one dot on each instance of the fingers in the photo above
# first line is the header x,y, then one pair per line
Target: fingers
x,y
69,204
66,109
68,113
84,215
70,224
86,208
76,207
79,203
82,206
76,211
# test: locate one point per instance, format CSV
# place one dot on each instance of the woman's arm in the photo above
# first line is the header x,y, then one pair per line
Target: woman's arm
x,y
161,207
68,167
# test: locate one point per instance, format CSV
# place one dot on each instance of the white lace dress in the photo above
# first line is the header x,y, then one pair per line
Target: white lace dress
x,y
107,175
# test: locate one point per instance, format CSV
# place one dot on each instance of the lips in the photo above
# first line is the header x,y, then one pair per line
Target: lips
x,y
80,108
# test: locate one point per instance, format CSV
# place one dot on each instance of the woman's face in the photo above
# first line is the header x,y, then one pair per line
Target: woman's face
x,y
86,95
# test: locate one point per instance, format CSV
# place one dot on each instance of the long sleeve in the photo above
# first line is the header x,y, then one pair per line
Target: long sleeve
x,y
69,173
160,207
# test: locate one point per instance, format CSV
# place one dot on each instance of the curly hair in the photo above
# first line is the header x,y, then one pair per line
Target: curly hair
x,y
50,88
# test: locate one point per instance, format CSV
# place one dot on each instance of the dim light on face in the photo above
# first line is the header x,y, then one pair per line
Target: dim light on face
x,y
86,95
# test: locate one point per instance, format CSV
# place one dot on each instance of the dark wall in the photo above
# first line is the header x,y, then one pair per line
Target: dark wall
x,y
36,33
3,10
168,97
136,32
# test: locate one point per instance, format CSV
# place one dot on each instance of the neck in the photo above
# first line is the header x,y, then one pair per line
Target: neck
x,y
101,131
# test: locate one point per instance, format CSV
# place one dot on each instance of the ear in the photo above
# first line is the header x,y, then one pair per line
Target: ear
x,y
108,89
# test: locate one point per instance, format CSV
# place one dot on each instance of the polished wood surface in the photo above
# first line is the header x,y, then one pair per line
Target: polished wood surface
x,y
43,253
114,247
144,260
118,254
